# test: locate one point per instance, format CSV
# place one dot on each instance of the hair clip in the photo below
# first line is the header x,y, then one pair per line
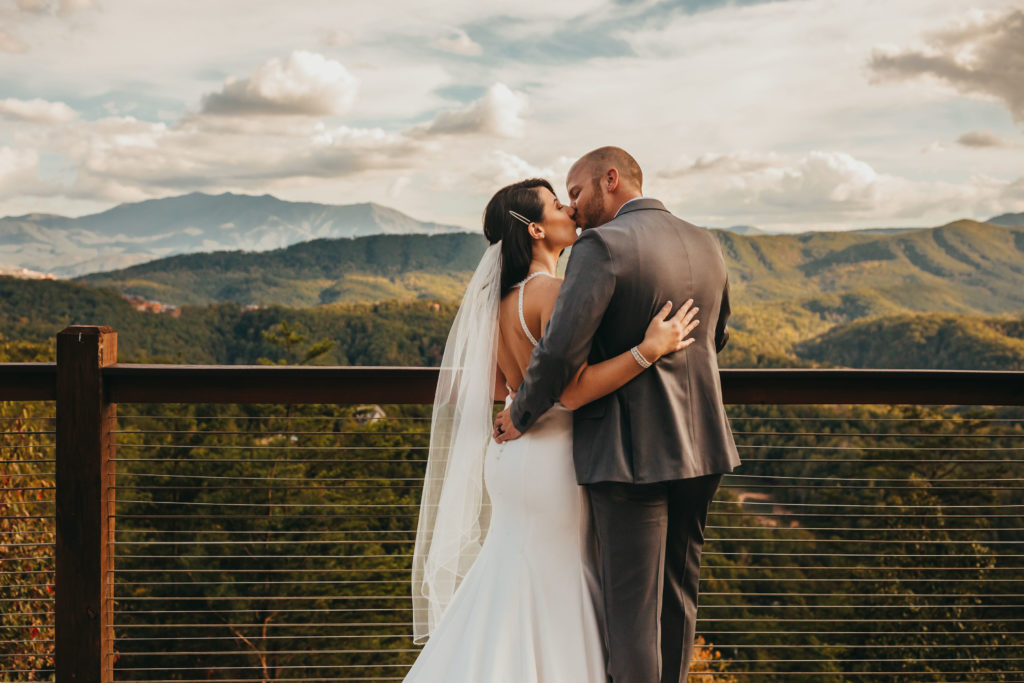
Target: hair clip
x,y
519,217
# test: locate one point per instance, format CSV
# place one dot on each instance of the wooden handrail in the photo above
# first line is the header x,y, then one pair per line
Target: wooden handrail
x,y
129,383
28,381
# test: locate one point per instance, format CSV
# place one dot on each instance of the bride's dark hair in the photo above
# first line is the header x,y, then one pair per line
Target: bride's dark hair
x,y
499,224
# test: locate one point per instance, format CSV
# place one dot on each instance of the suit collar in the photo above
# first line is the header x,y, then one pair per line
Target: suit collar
x,y
640,204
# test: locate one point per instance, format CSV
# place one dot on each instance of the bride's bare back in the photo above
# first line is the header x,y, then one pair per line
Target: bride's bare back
x,y
514,348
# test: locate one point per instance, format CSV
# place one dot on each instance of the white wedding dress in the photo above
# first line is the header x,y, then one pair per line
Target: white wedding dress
x,y
524,612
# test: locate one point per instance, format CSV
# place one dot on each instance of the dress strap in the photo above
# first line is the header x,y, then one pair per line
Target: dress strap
x,y
522,318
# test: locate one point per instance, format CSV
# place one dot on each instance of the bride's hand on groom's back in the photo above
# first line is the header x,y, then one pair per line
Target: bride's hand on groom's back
x,y
666,334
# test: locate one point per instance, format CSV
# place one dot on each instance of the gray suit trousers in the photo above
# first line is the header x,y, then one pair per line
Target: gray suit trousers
x,y
649,543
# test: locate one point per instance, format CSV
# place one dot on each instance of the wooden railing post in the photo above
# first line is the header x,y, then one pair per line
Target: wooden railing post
x,y
85,507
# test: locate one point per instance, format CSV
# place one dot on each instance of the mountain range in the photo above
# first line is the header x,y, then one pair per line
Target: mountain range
x,y
962,267
36,245
135,233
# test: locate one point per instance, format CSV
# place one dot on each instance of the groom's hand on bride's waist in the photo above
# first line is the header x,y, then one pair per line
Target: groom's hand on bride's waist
x,y
504,430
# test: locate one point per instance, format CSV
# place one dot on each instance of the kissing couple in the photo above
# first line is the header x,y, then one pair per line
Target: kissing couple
x,y
561,542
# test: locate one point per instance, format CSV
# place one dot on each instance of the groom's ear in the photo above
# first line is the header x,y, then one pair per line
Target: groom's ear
x,y
611,180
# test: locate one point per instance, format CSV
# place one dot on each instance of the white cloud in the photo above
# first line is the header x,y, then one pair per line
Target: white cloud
x,y
982,53
510,168
821,189
125,159
498,113
36,111
459,43
304,83
19,171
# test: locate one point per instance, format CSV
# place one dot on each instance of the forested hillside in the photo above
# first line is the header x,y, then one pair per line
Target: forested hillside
x,y
414,332
962,267
377,268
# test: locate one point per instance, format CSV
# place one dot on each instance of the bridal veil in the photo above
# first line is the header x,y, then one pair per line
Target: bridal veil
x,y
454,511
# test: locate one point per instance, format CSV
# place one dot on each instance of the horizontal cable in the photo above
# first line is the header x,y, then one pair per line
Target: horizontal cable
x,y
873,568
974,677
871,479
278,505
867,505
363,570
808,540
271,418
881,461
276,680
747,527
820,620
994,486
874,660
960,420
368,541
339,532
408,541
216,447
321,461
929,449
208,477
832,607
411,482
943,634
306,610
940,435
307,636
217,598
289,557
837,579
198,432
365,624
189,653
720,513
264,583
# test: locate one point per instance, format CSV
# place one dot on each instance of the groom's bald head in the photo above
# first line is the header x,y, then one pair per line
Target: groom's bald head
x,y
600,182
598,162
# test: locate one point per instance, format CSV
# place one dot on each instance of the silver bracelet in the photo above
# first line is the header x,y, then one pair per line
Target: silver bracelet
x,y
641,361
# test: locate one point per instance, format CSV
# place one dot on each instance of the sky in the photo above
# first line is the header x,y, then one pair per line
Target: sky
x,y
787,115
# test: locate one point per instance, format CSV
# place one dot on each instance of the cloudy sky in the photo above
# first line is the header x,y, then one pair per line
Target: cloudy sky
x,y
792,114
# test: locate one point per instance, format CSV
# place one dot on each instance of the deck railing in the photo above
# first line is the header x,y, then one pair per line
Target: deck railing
x,y
876,529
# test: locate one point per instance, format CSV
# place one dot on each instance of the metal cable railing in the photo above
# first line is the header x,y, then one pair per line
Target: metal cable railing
x,y
267,535
26,541
851,545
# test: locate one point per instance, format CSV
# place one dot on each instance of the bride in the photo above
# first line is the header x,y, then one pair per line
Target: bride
x,y
516,607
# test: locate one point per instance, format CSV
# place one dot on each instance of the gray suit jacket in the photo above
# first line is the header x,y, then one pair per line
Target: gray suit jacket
x,y
669,422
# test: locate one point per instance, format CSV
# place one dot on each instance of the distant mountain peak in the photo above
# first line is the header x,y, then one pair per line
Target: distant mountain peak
x,y
1010,220
136,232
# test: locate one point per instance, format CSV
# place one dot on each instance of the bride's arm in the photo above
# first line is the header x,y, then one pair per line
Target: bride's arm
x,y
664,335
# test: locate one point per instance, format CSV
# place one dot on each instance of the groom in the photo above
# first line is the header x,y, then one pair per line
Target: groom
x,y
651,454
